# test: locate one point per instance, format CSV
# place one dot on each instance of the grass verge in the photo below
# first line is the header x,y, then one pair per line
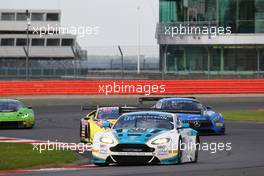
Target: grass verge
x,y
244,115
21,156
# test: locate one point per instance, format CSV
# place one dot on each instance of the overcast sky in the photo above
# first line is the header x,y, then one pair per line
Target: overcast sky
x,y
117,19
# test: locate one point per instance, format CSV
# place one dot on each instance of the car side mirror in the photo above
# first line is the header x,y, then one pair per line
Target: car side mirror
x,y
209,108
184,125
107,124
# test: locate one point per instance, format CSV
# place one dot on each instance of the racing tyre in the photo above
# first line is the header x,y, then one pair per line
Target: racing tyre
x,y
224,130
179,151
197,143
88,133
101,164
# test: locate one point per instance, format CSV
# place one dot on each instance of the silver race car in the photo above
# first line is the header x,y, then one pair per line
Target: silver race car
x,y
146,137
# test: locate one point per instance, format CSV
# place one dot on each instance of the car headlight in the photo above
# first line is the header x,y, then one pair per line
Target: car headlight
x,y
160,141
25,116
106,140
216,119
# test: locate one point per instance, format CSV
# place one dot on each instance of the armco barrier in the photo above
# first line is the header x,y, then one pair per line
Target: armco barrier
x,y
8,88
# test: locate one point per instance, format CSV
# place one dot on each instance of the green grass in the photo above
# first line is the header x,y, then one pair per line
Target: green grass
x,y
21,156
244,115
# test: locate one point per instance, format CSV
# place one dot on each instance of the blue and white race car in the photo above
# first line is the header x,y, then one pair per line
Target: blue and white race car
x,y
189,110
145,138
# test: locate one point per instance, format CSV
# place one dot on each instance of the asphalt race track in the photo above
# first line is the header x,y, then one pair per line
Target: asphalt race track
x,y
60,121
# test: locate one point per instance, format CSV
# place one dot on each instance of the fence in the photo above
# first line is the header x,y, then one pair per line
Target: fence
x,y
105,63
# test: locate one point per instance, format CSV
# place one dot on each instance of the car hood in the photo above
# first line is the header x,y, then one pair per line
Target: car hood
x,y
183,116
136,135
112,121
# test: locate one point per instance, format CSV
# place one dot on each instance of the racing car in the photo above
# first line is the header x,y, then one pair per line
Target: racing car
x,y
14,114
145,137
93,122
189,110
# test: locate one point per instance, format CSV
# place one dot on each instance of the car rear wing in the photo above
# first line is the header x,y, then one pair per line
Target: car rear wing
x,y
95,107
142,99
89,108
138,109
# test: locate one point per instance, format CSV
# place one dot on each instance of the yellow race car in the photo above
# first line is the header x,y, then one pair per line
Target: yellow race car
x,y
94,121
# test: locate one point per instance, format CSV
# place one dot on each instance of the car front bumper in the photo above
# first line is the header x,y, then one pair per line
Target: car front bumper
x,y
156,156
16,124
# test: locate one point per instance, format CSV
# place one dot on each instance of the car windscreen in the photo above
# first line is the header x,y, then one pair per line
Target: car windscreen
x,y
10,106
108,113
146,121
182,105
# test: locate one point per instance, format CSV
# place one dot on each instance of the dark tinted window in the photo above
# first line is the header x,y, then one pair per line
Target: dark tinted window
x,y
9,106
38,42
53,42
37,17
8,16
145,121
8,42
21,42
182,105
21,16
108,113
67,42
52,17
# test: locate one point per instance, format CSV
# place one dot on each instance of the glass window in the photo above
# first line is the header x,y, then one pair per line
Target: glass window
x,y
215,59
67,42
21,42
228,14
188,10
261,59
144,121
168,11
246,16
21,16
52,17
240,59
108,113
197,58
53,42
259,16
7,42
182,105
38,42
8,16
37,17
175,59
202,10
243,16
10,106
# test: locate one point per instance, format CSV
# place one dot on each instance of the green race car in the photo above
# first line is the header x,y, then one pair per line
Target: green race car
x,y
14,114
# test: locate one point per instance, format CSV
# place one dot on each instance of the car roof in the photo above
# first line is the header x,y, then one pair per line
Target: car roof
x,y
110,107
9,100
107,109
178,99
149,113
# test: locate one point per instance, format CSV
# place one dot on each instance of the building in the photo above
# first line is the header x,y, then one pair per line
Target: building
x,y
45,38
237,52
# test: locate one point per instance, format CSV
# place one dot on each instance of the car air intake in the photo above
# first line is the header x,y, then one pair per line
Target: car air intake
x,y
135,159
132,148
